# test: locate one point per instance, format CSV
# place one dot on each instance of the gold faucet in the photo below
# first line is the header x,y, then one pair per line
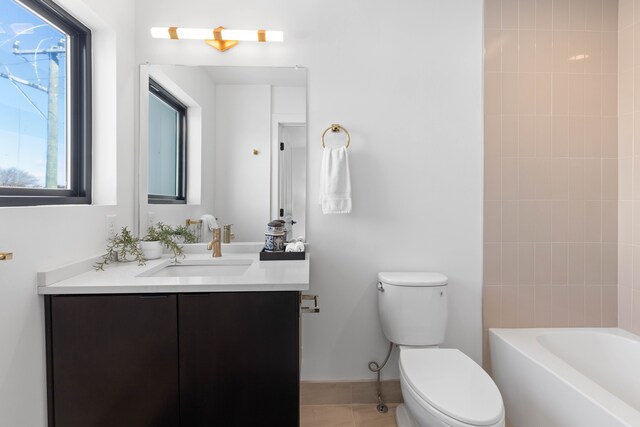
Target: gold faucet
x,y
215,243
227,235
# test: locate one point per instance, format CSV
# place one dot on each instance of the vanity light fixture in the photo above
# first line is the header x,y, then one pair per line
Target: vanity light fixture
x,y
219,38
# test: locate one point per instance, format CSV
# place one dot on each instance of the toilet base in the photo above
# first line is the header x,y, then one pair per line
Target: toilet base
x,y
403,417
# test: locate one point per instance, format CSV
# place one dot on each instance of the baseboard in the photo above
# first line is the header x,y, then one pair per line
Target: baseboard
x,y
348,392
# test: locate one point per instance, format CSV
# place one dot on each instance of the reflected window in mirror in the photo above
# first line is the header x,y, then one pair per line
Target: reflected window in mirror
x,y
167,146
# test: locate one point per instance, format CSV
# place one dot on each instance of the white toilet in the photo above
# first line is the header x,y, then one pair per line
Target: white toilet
x,y
440,387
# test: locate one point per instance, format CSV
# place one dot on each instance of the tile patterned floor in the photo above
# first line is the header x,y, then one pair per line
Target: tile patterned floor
x,y
346,416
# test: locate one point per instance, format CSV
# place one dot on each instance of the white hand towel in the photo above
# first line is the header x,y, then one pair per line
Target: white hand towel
x,y
210,222
335,183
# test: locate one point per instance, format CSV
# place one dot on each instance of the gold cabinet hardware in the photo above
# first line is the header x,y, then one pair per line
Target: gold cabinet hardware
x,y
6,256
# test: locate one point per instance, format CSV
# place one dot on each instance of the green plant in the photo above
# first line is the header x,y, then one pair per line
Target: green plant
x,y
121,245
168,236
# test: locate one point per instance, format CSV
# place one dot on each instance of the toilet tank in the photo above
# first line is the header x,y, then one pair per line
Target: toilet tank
x,y
413,307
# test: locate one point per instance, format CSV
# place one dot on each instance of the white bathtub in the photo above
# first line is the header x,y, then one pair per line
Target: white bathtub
x,y
568,377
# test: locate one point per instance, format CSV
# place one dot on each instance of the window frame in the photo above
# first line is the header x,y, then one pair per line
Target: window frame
x,y
157,90
79,120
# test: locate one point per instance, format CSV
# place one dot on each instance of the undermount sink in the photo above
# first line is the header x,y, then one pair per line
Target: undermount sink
x,y
202,268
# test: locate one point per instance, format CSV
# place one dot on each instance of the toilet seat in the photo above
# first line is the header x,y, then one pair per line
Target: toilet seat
x,y
451,386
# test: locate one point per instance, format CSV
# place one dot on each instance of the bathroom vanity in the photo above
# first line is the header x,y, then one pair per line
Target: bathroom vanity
x,y
133,346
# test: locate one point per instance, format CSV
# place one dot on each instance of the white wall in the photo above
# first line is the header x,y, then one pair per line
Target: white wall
x,y
42,237
405,79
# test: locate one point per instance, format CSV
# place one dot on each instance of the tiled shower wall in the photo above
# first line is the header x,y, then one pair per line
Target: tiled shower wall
x,y
551,163
629,166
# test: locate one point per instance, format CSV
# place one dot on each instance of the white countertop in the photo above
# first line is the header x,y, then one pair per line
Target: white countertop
x,y
123,278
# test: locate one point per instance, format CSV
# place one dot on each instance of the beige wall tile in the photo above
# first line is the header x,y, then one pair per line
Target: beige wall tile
x,y
510,221
577,15
593,221
492,14
610,15
544,14
625,265
625,13
610,137
576,139
544,51
559,264
543,94
610,52
509,306
593,15
635,318
609,179
560,221
593,95
526,50
625,98
625,307
510,136
492,87
526,307
593,137
526,93
544,182
576,93
509,263
526,264
543,224
610,264
560,307
576,227
509,178
593,264
492,51
593,306
609,306
543,307
609,94
510,51
492,179
493,221
491,306
575,295
543,137
560,94
526,136
492,257
509,14
576,179
543,262
593,179
561,51
575,263
561,12
610,221
509,93
577,48
492,136
593,51
560,177
527,220
527,174
526,14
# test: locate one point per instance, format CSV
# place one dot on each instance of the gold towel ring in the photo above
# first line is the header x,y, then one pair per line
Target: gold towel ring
x,y
336,128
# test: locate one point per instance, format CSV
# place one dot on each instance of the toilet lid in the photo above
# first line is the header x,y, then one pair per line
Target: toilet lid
x,y
452,383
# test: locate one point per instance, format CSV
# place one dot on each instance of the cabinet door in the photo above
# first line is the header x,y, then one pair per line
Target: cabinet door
x,y
113,361
239,359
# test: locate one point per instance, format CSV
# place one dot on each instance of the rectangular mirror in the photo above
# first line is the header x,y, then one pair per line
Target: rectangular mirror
x,y
226,141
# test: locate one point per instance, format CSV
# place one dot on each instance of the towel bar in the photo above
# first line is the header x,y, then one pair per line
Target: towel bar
x,y
336,128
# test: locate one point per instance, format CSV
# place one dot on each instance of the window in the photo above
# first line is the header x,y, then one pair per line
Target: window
x,y
45,105
167,146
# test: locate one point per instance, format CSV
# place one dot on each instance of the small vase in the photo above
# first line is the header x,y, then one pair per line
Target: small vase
x,y
151,250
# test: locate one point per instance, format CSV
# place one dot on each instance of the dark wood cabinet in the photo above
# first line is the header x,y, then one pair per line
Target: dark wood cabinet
x,y
239,357
219,359
113,360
